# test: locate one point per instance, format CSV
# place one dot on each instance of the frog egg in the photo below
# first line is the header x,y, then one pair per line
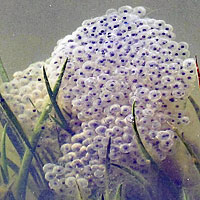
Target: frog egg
x,y
189,63
127,137
110,133
183,45
185,120
102,153
159,24
70,182
141,92
140,11
76,147
82,182
164,135
125,9
111,11
101,130
108,120
39,103
155,124
148,112
87,141
91,149
166,145
58,170
178,93
99,173
125,110
114,156
117,130
55,184
65,148
78,138
112,85
36,94
22,118
26,98
154,95
49,175
153,134
167,80
129,118
125,148
48,167
77,163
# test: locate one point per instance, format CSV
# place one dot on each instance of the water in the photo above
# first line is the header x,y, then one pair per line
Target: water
x,y
30,35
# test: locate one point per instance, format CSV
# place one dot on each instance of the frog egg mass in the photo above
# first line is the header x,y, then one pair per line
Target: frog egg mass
x,y
114,60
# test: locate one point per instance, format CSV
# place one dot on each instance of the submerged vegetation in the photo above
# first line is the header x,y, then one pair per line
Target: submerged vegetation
x,y
33,167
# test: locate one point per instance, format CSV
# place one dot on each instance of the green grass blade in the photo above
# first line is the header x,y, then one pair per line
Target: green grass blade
x,y
79,195
4,176
189,149
139,140
57,122
139,178
102,197
13,166
58,82
184,195
34,106
107,165
133,173
9,196
21,182
118,195
4,157
12,133
195,106
107,154
3,73
55,105
15,122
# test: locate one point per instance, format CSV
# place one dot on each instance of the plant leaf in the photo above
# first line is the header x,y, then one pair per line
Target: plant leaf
x,y
12,133
195,106
107,154
135,174
184,195
55,105
118,195
3,73
4,157
189,149
80,196
15,122
102,197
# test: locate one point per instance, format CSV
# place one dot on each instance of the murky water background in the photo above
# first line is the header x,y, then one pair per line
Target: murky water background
x,y
29,31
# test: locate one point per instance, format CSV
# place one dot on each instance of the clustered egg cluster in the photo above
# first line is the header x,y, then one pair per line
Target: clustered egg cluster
x,y
114,60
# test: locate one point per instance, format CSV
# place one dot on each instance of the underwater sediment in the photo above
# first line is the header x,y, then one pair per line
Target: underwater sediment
x,y
113,60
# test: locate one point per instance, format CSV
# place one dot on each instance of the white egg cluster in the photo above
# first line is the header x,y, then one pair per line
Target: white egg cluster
x,y
114,60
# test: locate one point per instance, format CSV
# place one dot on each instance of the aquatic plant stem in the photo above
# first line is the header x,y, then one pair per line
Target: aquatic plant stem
x,y
28,156
52,97
4,157
189,149
3,73
107,168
